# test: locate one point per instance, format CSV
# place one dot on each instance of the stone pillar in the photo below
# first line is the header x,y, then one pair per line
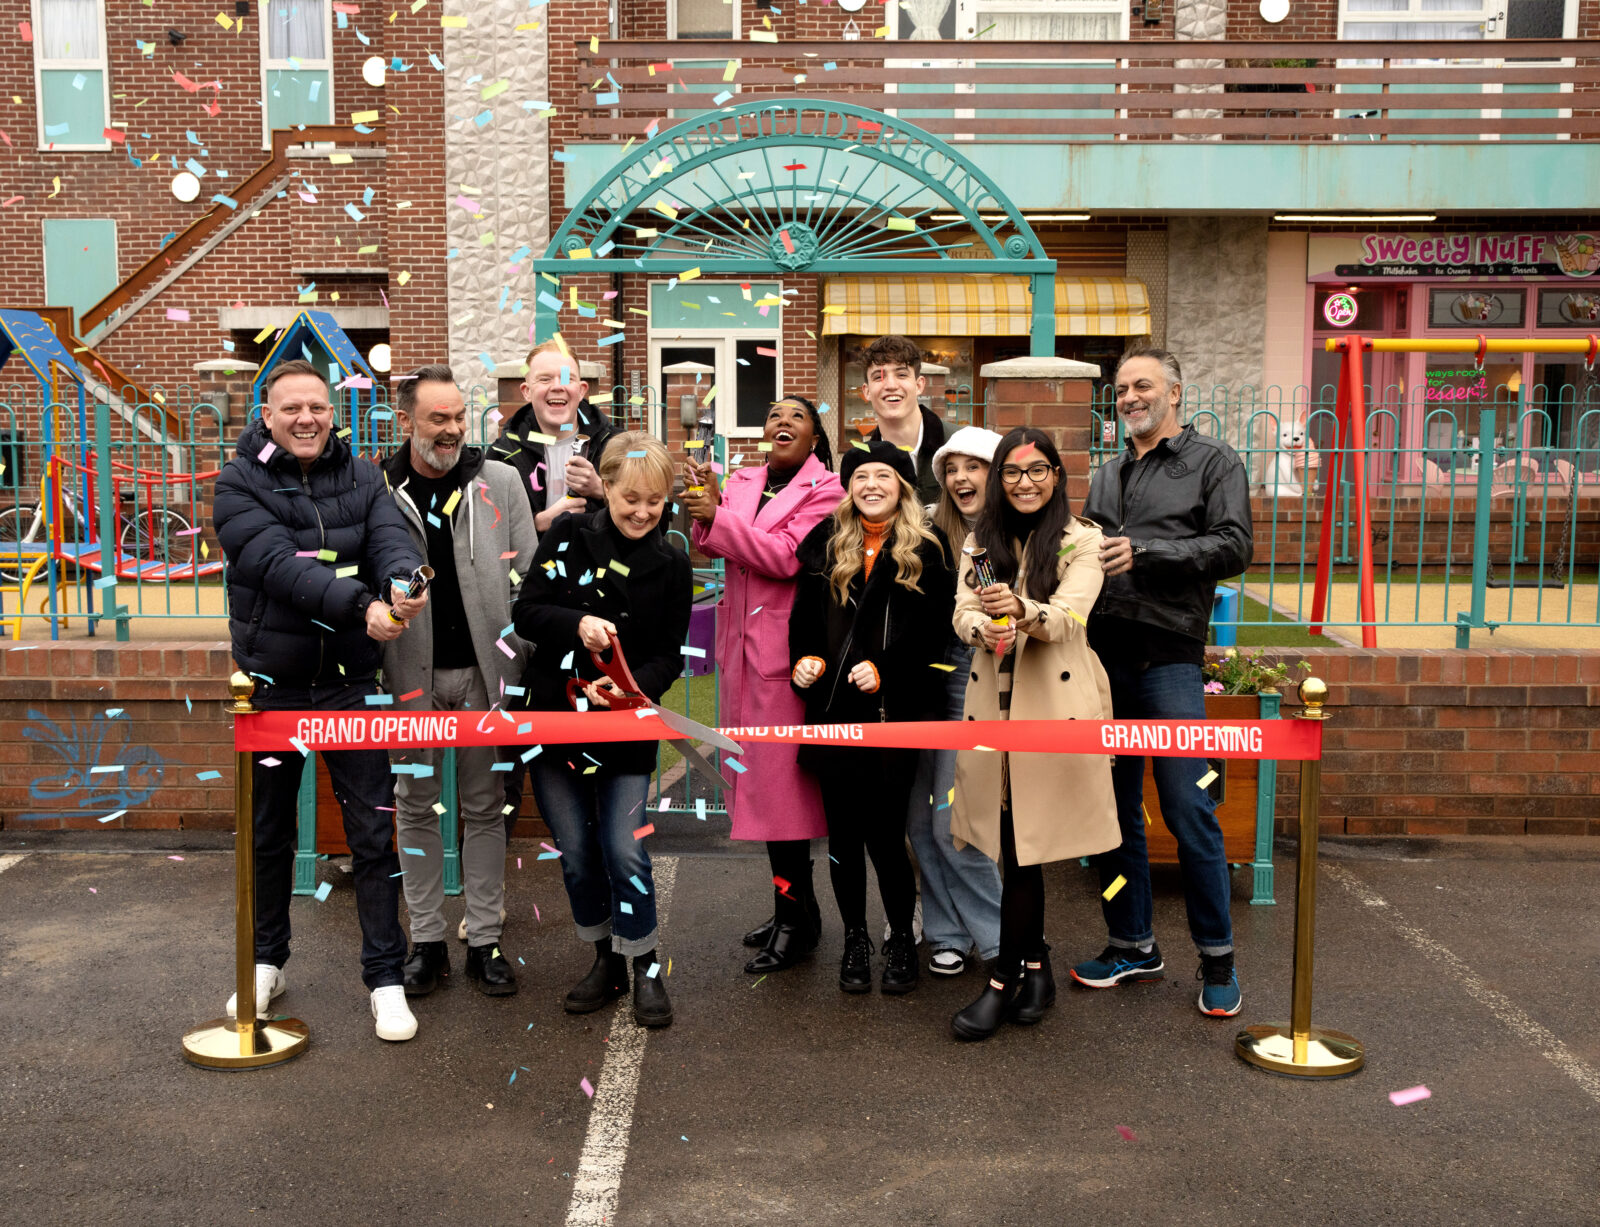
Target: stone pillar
x,y
1199,21
1054,394
224,383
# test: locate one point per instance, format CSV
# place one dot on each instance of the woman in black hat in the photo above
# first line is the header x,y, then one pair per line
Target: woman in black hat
x,y
875,595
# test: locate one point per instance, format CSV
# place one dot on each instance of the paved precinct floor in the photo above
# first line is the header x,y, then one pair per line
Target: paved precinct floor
x,y
1468,967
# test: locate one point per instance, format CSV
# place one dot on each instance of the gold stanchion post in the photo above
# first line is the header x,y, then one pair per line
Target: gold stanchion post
x,y
249,1042
1299,1048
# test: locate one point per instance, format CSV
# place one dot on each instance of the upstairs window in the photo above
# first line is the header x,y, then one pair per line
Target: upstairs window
x,y
70,77
296,64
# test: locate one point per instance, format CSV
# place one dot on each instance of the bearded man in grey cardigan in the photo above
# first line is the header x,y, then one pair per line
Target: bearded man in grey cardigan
x,y
470,517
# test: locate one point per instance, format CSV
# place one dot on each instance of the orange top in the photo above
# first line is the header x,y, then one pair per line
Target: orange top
x,y
872,544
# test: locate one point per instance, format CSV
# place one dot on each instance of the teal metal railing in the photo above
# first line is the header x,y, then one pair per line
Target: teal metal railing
x,y
1485,509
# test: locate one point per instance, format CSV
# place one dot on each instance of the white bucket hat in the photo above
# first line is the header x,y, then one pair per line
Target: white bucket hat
x,y
972,441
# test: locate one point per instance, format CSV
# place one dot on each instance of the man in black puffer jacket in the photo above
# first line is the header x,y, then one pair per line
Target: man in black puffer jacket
x,y
311,537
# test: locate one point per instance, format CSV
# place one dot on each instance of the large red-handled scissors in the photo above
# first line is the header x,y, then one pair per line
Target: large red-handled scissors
x,y
628,697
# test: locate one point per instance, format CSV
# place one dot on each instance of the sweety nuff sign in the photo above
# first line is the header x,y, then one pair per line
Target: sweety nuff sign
x,y
1525,253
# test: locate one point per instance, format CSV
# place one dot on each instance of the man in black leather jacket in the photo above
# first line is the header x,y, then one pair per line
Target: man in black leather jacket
x,y
1175,508
317,552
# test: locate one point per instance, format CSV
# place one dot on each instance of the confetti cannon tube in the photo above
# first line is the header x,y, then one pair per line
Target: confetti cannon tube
x,y
1298,1048
984,570
420,579
246,1042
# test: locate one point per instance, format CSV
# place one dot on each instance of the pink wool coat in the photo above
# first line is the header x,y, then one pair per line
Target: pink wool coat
x,y
774,798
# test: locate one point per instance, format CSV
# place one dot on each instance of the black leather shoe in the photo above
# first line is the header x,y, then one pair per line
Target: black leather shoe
x,y
490,971
1037,991
759,935
786,947
650,1005
429,963
855,968
983,1017
607,980
900,973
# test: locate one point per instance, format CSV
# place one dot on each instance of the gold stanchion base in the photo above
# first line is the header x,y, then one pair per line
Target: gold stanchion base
x,y
215,1044
1329,1054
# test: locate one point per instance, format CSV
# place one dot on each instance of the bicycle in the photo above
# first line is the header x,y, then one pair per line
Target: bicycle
x,y
156,534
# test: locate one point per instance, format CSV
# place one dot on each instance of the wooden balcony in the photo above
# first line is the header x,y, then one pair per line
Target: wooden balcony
x,y
1039,92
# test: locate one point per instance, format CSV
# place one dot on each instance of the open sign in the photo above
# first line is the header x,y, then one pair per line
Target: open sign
x,y
1339,310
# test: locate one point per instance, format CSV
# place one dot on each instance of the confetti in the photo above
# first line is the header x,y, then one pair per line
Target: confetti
x,y
648,828
1117,884
588,1088
209,775
323,892
1206,780
1128,1135
1412,1094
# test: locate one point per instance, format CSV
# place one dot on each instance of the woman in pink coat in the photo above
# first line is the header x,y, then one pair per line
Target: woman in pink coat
x,y
755,523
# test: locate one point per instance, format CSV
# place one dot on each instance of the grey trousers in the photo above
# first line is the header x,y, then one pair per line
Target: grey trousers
x,y
483,833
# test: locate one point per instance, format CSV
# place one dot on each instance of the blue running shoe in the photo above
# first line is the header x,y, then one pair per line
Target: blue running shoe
x,y
1219,995
1119,963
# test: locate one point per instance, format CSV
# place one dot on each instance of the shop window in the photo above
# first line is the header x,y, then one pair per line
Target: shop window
x,y
70,77
1475,308
296,65
1564,308
80,261
1334,310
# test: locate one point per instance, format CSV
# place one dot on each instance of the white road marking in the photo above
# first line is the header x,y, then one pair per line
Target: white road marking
x,y
1502,1007
10,859
605,1146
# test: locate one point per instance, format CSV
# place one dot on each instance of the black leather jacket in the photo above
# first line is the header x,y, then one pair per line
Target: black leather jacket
x,y
1185,506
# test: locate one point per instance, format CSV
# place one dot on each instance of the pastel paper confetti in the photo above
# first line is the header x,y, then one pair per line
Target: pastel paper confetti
x,y
1117,884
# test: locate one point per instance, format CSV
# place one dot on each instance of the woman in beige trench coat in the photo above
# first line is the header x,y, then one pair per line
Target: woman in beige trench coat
x,y
1024,810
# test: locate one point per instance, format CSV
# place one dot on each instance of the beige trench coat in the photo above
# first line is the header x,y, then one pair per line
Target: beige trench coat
x,y
1062,804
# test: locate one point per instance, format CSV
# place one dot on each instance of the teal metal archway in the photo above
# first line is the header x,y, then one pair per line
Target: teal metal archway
x,y
796,185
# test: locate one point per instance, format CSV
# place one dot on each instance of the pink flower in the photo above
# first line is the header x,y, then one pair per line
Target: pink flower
x,y
1215,687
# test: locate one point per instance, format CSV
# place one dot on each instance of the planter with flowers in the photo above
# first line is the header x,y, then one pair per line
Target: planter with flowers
x,y
1239,686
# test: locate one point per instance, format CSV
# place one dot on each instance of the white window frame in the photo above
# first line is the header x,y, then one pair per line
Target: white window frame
x,y
325,64
725,342
101,65
672,24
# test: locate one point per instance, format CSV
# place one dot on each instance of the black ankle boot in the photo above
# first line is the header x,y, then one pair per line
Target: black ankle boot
x,y
1036,993
982,1018
650,1005
900,972
855,968
607,980
429,963
490,970
792,936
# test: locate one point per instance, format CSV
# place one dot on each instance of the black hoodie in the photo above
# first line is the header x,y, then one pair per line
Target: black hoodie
x,y
516,448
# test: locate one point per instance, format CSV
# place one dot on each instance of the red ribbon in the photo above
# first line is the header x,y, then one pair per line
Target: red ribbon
x,y
1289,740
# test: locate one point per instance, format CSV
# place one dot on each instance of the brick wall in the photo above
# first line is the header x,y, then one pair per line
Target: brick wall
x,y
1455,743
1420,743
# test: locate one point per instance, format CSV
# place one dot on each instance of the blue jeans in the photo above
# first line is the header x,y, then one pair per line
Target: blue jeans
x,y
960,889
593,818
1164,692
363,784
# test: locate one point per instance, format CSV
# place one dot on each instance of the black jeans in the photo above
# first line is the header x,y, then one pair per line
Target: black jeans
x,y
1021,902
865,803
365,788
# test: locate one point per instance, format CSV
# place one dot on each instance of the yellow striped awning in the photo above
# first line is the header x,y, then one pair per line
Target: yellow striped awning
x,y
975,304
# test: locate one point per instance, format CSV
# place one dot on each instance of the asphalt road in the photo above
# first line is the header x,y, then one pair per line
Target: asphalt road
x,y
1465,966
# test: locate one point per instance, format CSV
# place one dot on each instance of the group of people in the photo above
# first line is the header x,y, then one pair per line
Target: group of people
x,y
937,575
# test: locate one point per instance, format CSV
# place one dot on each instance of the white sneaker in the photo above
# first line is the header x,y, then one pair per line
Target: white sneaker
x,y
916,925
461,929
395,1019
269,984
